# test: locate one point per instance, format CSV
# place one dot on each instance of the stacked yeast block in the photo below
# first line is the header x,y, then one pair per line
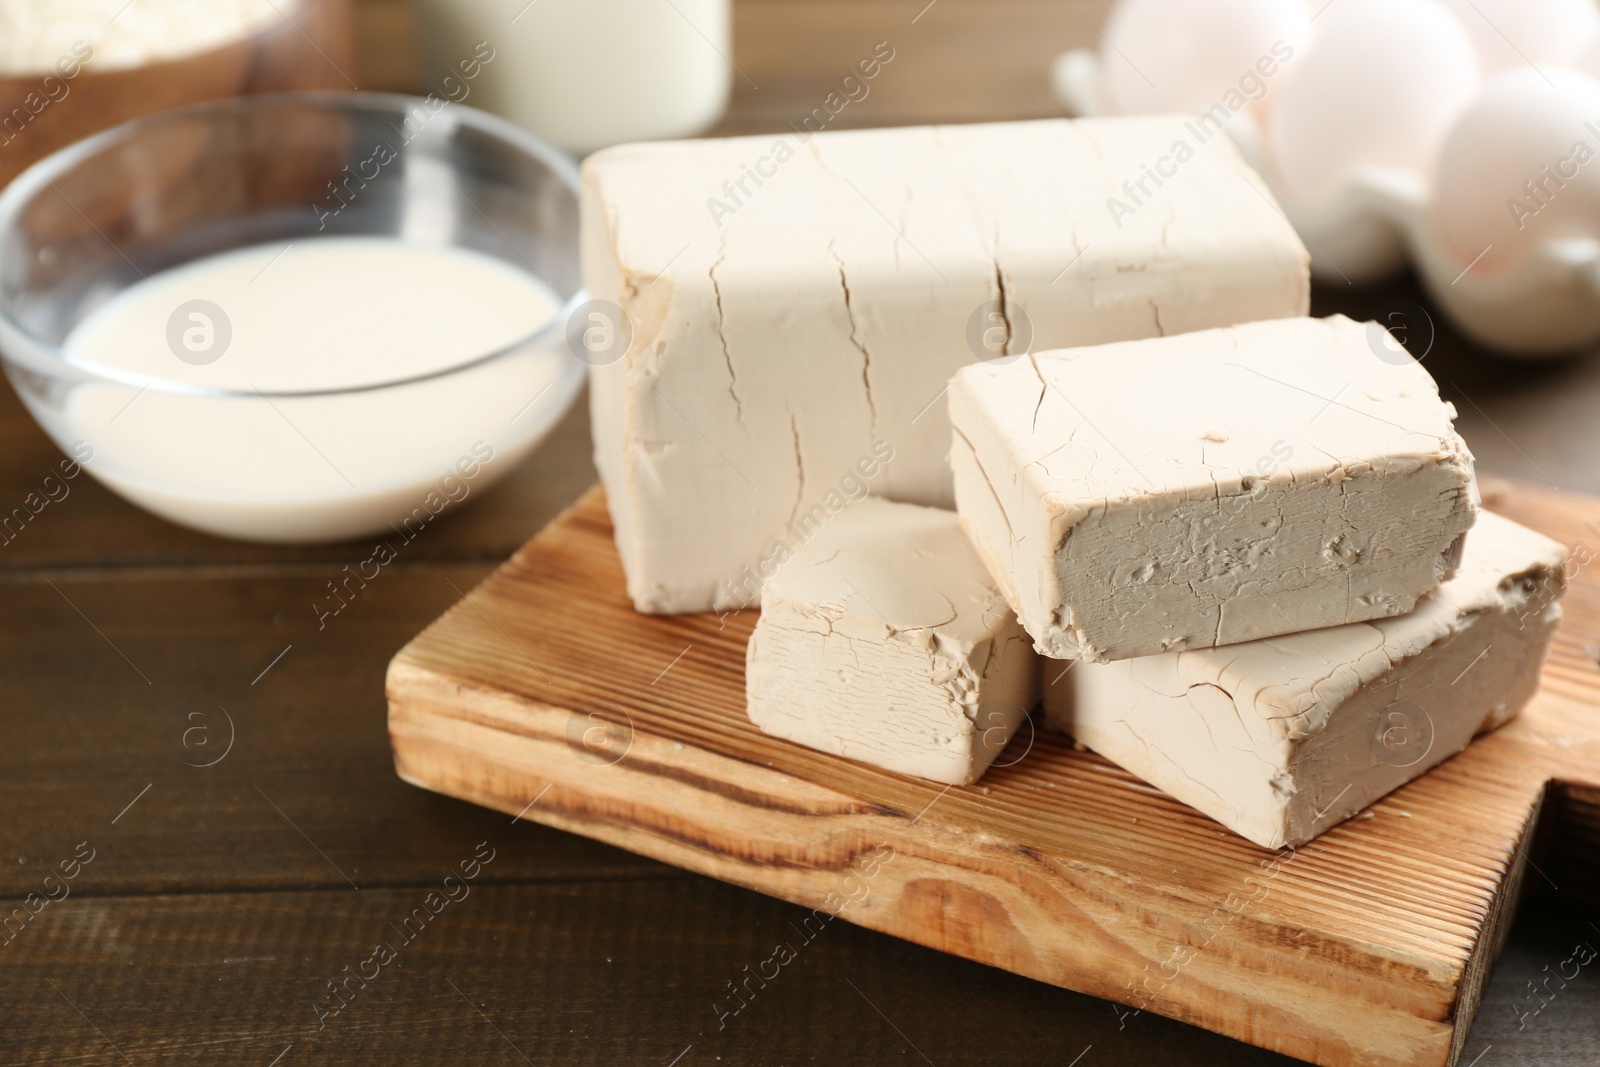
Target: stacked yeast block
x,y
1210,488
1241,535
797,305
1283,737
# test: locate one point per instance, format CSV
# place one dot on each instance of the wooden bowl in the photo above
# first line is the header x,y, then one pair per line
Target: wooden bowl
x,y
311,47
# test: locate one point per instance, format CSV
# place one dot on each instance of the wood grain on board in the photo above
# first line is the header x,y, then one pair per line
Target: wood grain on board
x,y
1371,945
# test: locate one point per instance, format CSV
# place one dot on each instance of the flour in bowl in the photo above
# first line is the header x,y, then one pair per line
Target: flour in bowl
x,y
35,34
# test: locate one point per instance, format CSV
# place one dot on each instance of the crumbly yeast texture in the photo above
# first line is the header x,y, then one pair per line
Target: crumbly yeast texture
x,y
1283,738
1211,488
884,640
798,305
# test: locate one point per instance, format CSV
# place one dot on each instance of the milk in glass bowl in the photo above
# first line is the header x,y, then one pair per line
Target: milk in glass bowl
x,y
300,317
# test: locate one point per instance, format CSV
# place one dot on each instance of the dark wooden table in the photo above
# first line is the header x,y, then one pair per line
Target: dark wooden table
x,y
221,901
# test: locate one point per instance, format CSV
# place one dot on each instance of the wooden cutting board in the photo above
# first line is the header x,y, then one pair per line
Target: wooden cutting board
x,y
543,693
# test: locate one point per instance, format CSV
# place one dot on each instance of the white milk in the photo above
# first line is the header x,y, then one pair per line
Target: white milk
x,y
584,73
316,314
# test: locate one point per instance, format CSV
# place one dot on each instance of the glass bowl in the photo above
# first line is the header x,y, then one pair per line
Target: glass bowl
x,y
374,446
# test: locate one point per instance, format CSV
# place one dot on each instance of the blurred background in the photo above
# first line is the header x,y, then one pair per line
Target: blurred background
x,y
588,75
121,628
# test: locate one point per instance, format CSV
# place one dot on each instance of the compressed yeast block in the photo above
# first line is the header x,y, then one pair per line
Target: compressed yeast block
x,y
1280,739
1209,488
884,640
794,306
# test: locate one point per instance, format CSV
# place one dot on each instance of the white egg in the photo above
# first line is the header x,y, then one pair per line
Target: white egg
x,y
1184,55
1519,167
1514,33
1379,86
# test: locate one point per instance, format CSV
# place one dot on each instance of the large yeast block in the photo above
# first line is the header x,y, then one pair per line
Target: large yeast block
x,y
1282,738
796,307
884,640
1209,488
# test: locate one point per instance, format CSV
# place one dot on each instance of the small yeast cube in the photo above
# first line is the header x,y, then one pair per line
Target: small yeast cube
x,y
883,639
1282,738
1209,488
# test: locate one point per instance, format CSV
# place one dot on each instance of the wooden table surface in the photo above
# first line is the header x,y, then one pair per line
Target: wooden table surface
x,y
217,903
